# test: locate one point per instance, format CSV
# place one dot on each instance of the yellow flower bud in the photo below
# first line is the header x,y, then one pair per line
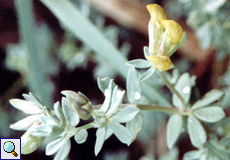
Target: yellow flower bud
x,y
165,36
156,12
160,62
173,30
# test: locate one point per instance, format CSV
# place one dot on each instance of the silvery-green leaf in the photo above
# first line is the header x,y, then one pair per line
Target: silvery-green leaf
x,y
81,136
59,113
210,114
101,133
103,83
71,117
184,86
25,123
56,130
63,152
47,120
117,99
133,87
55,145
134,126
208,98
147,74
108,97
175,76
33,99
121,133
213,6
26,106
126,114
174,128
146,51
139,63
42,131
192,155
205,34
196,132
109,132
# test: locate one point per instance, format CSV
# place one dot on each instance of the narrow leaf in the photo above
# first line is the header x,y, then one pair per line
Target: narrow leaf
x,y
63,151
101,133
108,97
26,106
147,74
208,98
134,126
184,86
126,114
192,155
139,63
25,123
133,87
59,113
55,145
174,128
117,99
73,20
196,132
121,133
210,114
71,117
103,83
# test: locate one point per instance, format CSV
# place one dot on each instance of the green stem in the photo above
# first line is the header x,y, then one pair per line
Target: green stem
x,y
173,90
87,126
155,108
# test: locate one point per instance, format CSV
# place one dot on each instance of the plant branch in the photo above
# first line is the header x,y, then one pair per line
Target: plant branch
x,y
155,108
173,90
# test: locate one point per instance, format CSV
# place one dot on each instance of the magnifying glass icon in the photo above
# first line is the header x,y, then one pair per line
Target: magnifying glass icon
x,y
9,147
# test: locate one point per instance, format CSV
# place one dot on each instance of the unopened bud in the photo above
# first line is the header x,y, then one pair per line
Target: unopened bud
x,y
79,103
30,143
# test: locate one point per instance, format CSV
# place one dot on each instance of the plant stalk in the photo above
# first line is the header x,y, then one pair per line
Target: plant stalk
x,y
173,90
155,108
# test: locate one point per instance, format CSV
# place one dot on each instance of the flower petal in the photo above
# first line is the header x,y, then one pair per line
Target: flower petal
x,y
173,30
156,12
160,62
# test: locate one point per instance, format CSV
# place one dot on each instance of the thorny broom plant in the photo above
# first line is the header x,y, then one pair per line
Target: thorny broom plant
x,y
125,120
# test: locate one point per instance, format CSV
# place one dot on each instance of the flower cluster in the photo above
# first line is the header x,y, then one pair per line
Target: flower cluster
x,y
60,124
165,36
